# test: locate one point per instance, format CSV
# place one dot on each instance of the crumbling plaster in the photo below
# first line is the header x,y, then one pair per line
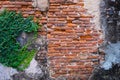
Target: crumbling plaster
x,y
94,8
42,5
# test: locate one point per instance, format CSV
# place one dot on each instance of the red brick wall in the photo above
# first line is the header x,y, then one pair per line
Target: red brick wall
x,y
72,38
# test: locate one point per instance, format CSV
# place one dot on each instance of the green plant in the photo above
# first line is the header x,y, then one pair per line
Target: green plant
x,y
11,25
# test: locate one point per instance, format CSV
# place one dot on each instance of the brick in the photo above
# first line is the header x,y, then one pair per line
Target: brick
x,y
56,4
86,16
73,67
10,6
75,16
57,1
54,10
55,54
93,57
71,25
70,19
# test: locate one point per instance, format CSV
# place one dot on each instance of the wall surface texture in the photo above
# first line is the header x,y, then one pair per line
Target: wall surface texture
x,y
73,34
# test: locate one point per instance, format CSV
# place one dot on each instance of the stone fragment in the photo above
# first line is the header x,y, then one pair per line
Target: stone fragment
x,y
43,5
6,72
34,71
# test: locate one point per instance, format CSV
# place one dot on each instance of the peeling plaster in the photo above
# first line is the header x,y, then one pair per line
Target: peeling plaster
x,y
93,8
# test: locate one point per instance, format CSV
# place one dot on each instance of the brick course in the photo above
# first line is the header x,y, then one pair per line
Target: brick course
x,y
73,39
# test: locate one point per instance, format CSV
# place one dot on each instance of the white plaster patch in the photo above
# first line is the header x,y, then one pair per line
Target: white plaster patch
x,y
6,72
96,8
112,56
42,5
34,70
93,8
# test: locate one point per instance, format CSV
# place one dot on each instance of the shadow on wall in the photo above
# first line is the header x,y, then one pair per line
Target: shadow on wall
x,y
110,20
110,68
101,74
